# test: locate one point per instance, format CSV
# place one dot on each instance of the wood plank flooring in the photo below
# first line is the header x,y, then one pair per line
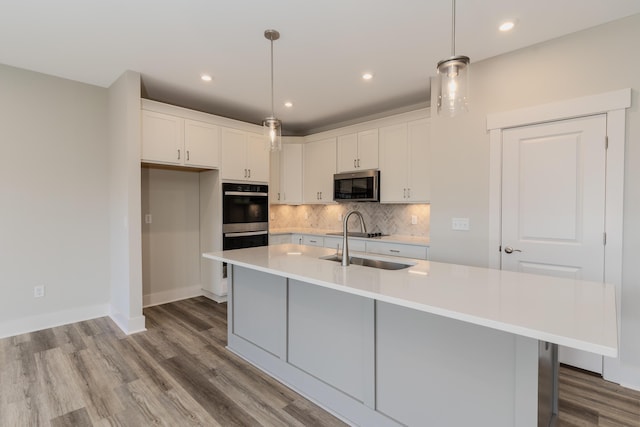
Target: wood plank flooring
x,y
178,373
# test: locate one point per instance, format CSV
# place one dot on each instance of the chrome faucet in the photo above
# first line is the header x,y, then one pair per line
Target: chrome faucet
x,y
345,234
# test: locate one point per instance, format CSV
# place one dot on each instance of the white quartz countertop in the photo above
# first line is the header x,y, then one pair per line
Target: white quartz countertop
x,y
573,313
394,238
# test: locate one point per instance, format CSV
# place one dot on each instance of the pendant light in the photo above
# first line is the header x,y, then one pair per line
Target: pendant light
x,y
452,77
271,125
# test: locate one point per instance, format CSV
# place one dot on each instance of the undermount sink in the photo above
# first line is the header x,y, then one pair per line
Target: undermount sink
x,y
367,262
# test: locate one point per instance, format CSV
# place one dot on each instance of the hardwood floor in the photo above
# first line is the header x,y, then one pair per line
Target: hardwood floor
x,y
178,373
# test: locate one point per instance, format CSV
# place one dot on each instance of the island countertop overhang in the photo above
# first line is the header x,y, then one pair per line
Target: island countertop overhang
x,y
573,313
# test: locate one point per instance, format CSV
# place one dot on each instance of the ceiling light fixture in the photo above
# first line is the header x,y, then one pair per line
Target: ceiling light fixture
x,y
288,104
367,76
452,77
206,78
271,125
506,26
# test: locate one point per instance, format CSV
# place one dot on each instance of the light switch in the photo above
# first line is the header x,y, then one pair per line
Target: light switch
x,y
461,224
147,219
414,219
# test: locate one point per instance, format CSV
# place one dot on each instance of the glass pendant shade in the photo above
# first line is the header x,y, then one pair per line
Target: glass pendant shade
x,y
273,132
453,76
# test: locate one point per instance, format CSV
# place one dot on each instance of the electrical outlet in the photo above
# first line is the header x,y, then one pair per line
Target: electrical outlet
x,y
148,219
414,219
38,291
461,224
340,217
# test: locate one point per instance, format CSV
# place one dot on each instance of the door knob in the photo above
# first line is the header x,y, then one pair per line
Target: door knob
x,y
509,249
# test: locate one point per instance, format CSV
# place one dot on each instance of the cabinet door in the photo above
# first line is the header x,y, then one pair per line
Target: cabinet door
x,y
257,158
319,168
393,164
274,177
162,138
419,161
368,149
311,240
201,144
291,174
233,154
347,153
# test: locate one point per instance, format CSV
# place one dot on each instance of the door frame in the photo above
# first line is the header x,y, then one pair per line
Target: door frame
x,y
614,105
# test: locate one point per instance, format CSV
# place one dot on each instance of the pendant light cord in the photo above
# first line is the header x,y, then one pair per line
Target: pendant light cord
x,y
453,28
272,109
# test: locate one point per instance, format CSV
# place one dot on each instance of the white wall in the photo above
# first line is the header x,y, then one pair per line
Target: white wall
x,y
586,63
171,242
54,201
124,203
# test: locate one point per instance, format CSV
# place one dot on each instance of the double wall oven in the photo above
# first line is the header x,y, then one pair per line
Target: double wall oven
x,y
245,216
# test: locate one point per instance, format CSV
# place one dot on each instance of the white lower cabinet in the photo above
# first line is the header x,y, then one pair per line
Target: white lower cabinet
x,y
312,240
278,239
397,249
336,242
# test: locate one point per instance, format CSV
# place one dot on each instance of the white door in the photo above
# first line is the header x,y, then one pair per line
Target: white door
x,y
553,205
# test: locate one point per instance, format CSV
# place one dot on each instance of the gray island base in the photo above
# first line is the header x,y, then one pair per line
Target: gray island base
x,y
374,361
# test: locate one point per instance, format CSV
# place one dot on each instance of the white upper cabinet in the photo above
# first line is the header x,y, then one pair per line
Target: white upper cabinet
x,y
404,162
168,139
285,184
319,168
357,151
244,157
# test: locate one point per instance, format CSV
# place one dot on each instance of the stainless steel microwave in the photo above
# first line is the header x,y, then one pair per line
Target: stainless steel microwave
x,y
361,186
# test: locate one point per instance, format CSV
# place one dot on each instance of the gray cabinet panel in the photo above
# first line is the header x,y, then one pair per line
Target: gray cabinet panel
x,y
331,337
436,371
260,310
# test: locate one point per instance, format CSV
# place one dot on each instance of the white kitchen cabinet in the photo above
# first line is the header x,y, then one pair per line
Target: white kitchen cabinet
x,y
319,168
173,140
244,156
285,183
335,242
396,249
358,151
404,162
297,239
279,239
312,240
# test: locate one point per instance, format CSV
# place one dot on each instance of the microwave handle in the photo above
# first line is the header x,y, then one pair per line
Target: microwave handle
x,y
244,193
246,233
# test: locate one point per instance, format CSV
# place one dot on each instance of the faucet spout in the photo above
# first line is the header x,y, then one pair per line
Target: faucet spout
x,y
345,234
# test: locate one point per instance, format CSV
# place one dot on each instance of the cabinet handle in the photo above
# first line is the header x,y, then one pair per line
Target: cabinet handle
x,y
313,241
187,155
245,173
395,251
408,193
249,173
358,162
321,195
404,196
354,163
300,241
178,154
278,196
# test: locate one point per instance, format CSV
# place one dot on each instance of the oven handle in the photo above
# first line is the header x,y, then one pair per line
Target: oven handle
x,y
244,193
246,233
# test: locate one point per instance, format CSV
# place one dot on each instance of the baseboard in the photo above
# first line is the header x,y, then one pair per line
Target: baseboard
x,y
214,297
49,320
172,295
619,373
128,325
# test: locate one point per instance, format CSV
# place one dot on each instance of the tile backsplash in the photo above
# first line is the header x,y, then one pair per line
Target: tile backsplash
x,y
385,218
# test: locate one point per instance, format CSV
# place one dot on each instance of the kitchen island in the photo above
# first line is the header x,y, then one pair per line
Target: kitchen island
x,y
430,344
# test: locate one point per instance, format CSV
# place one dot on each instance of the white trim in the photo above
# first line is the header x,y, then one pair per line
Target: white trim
x,y
214,297
577,107
128,325
613,104
50,320
171,295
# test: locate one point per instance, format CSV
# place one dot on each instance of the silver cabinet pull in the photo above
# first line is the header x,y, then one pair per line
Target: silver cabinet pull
x,y
408,193
178,154
321,195
395,251
245,173
249,176
278,196
354,163
509,249
405,193
358,162
187,154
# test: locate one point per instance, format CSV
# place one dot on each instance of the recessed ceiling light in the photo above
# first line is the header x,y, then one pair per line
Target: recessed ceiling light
x,y
367,76
206,78
507,26
288,104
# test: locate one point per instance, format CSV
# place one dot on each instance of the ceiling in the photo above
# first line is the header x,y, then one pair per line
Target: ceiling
x,y
325,47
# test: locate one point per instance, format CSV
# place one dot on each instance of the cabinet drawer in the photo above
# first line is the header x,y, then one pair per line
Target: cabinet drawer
x,y
397,249
354,245
278,239
312,240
